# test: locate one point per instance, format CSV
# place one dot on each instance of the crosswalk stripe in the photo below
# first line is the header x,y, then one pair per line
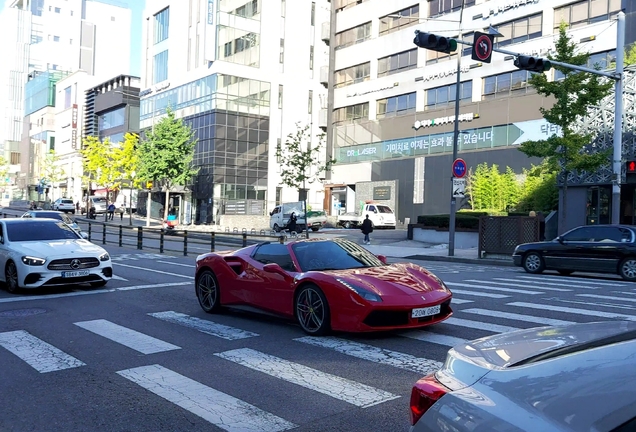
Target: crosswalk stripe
x,y
204,326
220,409
495,328
507,282
461,301
576,280
576,311
602,297
492,288
38,354
540,284
476,294
377,355
517,317
176,264
436,338
132,339
355,393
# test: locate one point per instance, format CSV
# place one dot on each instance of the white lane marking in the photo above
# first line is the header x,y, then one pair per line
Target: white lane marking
x,y
220,409
495,328
602,297
476,294
575,280
132,339
517,317
461,301
155,271
81,293
525,285
492,288
204,326
176,264
115,277
374,354
625,292
355,393
38,354
539,284
436,338
554,308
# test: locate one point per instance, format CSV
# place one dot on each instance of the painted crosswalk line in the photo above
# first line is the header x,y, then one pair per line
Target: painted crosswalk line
x,y
132,339
576,311
220,409
477,284
355,393
204,326
549,284
475,293
377,355
495,328
577,280
526,284
41,356
436,338
517,317
455,300
604,297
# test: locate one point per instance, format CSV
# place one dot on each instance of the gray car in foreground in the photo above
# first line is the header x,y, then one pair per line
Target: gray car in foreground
x,y
580,377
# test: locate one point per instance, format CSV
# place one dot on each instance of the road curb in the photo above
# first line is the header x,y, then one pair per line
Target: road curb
x,y
492,262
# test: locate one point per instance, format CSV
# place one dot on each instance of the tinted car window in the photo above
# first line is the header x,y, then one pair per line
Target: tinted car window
x,y
612,234
35,230
333,255
274,253
579,234
384,209
49,215
66,202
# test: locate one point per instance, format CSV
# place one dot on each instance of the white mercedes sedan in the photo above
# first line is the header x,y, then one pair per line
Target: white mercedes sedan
x,y
38,253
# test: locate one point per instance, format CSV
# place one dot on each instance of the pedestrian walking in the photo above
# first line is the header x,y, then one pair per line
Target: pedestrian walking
x,y
367,228
291,226
111,211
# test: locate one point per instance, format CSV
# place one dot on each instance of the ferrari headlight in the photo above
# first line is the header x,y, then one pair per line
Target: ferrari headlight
x,y
104,257
364,293
33,261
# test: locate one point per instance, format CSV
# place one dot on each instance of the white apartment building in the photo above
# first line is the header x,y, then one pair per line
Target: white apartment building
x,y
242,73
394,105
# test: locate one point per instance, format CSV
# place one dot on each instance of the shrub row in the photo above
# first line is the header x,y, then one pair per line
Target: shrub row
x,y
442,221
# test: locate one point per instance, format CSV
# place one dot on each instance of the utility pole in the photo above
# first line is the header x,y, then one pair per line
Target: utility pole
x,y
618,120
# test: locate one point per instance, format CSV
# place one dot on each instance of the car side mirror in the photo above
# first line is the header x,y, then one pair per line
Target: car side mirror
x,y
382,258
271,213
560,239
84,235
274,268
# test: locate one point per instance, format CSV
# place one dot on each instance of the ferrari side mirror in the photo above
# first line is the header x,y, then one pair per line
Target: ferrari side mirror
x,y
273,268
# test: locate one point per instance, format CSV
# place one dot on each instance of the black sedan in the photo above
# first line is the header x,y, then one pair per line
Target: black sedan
x,y
591,248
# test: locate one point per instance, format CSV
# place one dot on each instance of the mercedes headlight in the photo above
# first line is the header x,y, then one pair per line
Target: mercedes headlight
x,y
104,257
33,261
362,292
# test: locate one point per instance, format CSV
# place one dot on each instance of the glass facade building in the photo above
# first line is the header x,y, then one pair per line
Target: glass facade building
x,y
40,91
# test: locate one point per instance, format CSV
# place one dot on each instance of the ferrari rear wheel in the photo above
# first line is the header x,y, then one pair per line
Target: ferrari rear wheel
x,y
207,290
312,311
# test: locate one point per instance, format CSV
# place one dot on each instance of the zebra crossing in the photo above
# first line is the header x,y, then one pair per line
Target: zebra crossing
x,y
483,306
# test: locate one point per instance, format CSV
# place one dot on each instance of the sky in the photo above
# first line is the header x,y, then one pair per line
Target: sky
x,y
137,7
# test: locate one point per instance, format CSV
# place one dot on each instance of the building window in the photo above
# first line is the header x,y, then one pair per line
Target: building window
x,y
67,97
248,10
341,5
57,10
70,41
353,35
161,25
112,119
600,61
519,30
35,39
310,102
396,105
71,13
440,97
586,12
351,112
279,194
390,24
507,84
397,62
280,96
112,18
281,53
313,13
56,38
311,57
353,74
160,67
441,7
15,158
283,6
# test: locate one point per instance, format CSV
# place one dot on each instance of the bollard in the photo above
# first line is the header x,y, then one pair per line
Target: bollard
x,y
244,239
161,240
89,231
104,234
212,241
185,243
121,236
140,238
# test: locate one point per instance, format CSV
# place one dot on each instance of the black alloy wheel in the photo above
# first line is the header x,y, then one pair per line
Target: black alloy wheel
x,y
312,311
207,290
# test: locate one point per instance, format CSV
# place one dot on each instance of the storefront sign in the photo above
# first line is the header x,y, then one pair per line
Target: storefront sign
x,y
504,6
382,193
210,32
430,144
74,127
443,74
362,93
444,120
156,89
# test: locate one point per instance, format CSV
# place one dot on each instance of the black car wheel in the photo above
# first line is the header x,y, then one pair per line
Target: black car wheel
x,y
312,311
347,225
627,269
314,229
207,290
565,272
276,228
533,263
11,278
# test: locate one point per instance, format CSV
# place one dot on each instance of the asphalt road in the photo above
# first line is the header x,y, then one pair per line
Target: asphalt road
x,y
140,355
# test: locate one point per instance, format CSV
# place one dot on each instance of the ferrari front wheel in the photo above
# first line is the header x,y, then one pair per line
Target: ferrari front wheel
x,y
207,290
312,311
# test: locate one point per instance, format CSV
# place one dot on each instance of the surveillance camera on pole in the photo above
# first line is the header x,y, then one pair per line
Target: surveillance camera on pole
x,y
533,64
435,42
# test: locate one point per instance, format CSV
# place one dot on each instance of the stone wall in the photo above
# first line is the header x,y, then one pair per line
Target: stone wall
x,y
364,192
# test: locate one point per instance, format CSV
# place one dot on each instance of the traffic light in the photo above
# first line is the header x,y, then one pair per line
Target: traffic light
x,y
533,64
631,167
434,42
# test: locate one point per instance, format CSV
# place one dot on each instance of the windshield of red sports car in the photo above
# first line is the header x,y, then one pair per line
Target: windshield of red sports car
x,y
39,230
333,255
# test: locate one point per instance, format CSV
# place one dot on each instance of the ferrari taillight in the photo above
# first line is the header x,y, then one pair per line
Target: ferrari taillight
x,y
425,393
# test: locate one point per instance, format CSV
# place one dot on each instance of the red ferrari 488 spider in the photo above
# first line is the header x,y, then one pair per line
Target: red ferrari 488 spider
x,y
324,284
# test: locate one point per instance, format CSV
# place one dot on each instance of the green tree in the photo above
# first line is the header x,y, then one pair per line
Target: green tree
x,y
166,154
4,170
52,172
99,164
126,161
574,95
493,190
630,56
539,190
300,162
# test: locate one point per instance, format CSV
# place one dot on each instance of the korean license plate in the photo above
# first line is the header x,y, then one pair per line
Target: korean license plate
x,y
424,312
72,274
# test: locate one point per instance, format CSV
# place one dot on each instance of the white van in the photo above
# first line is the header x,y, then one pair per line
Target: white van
x,y
100,204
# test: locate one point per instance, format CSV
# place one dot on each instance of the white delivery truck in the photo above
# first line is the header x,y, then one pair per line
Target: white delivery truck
x,y
279,217
382,216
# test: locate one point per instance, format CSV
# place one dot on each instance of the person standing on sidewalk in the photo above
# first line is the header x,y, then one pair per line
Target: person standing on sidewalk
x,y
367,228
111,211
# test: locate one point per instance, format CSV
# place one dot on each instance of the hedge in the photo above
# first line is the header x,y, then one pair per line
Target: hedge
x,y
442,221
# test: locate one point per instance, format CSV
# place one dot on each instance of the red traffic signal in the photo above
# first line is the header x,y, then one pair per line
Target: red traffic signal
x,y
631,167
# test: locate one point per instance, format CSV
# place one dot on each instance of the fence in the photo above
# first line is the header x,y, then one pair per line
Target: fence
x,y
500,235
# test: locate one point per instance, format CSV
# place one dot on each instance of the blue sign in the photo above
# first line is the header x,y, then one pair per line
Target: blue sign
x,y
459,168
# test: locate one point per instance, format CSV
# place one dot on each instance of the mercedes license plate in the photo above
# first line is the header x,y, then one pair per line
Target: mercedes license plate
x,y
72,274
424,312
